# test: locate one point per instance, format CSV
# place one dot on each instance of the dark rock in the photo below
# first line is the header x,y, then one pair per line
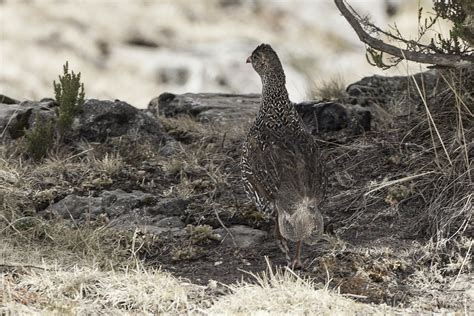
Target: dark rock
x,y
389,92
325,117
102,119
7,100
171,147
118,201
242,236
16,118
114,204
97,121
170,207
206,106
76,207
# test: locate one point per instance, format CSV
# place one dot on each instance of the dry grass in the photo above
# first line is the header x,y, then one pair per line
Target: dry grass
x,y
83,290
89,290
433,153
205,164
331,89
282,292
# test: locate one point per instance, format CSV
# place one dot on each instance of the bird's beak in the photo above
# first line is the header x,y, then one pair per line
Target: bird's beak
x,y
249,60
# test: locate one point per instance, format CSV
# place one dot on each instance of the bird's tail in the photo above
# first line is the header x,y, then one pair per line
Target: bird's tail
x,y
300,220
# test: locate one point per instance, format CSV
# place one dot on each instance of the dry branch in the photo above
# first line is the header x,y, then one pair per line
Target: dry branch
x,y
450,60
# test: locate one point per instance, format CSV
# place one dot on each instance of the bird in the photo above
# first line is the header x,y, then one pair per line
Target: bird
x,y
282,167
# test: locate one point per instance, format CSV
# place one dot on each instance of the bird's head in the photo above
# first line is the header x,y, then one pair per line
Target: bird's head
x,y
265,61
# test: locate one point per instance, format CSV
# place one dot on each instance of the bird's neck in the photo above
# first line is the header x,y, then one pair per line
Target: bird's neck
x,y
274,80
276,111
274,94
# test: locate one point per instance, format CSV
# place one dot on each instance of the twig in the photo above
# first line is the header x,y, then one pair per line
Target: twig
x,y
78,154
462,265
354,295
20,266
389,183
450,60
225,228
432,120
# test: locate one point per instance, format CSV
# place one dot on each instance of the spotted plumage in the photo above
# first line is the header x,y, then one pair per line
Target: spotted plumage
x,y
281,163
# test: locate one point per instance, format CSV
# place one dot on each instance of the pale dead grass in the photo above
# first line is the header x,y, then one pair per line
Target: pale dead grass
x,y
89,290
54,289
446,283
285,293
329,89
207,161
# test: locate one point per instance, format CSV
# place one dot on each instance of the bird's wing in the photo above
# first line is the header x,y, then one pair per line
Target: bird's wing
x,y
258,183
295,163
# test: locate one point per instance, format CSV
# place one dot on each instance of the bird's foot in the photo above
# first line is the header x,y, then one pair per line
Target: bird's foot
x,y
296,264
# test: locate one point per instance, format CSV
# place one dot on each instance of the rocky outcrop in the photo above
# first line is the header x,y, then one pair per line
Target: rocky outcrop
x,y
7,100
97,121
206,106
129,211
121,210
16,118
112,204
324,118
102,119
320,117
388,92
367,105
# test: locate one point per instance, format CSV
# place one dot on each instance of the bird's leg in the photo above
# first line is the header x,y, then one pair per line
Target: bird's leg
x,y
281,241
296,263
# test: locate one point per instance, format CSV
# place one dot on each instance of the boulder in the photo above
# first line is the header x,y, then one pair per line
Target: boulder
x,y
7,100
391,92
16,118
76,207
325,117
97,121
206,106
102,119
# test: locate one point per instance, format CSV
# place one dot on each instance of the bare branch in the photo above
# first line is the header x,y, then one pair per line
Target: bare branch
x,y
450,60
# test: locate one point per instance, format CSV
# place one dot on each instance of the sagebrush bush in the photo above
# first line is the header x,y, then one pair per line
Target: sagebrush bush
x,y
70,97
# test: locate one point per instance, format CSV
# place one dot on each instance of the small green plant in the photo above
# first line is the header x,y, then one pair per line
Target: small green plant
x,y
396,194
40,138
70,96
201,234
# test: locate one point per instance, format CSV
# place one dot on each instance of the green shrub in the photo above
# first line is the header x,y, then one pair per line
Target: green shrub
x,y
40,138
70,97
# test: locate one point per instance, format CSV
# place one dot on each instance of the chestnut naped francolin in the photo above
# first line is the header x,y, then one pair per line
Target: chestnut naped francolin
x,y
281,165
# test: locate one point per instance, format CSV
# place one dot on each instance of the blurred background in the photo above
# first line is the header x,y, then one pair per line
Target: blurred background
x,y
136,50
